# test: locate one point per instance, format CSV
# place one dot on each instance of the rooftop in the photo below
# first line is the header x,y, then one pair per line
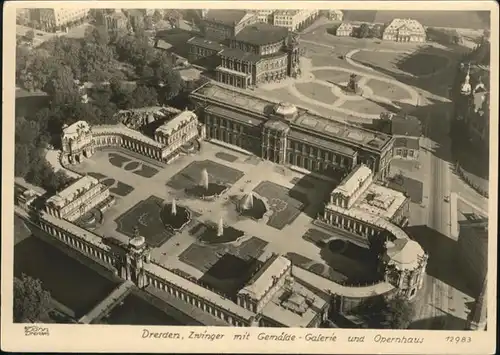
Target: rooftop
x,y
175,123
405,254
75,129
409,143
262,33
128,132
300,307
225,17
218,110
205,43
229,96
240,55
198,290
330,287
264,278
381,201
370,218
411,24
73,191
353,180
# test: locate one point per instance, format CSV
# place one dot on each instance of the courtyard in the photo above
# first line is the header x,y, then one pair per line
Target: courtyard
x,y
224,261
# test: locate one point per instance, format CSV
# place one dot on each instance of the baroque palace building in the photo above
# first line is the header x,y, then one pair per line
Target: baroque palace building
x,y
288,135
79,140
245,52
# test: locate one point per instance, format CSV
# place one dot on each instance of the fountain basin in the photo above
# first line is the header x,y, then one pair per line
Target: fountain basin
x,y
213,190
210,235
256,209
175,222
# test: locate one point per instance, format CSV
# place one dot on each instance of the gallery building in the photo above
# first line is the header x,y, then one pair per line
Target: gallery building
x,y
404,30
288,135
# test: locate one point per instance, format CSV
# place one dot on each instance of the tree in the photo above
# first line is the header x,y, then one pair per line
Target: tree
x,y
157,17
386,312
30,36
376,31
97,34
31,301
143,96
364,31
148,22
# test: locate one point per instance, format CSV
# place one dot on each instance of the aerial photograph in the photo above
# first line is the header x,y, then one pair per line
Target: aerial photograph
x,y
252,168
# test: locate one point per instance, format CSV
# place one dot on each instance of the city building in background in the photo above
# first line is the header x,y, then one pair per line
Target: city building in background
x,y
345,29
58,18
115,21
223,24
294,20
404,30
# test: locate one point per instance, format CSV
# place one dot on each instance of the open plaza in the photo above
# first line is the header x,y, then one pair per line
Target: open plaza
x,y
294,202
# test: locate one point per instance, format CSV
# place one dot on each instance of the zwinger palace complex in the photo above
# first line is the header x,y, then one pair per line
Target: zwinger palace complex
x,y
279,293
247,48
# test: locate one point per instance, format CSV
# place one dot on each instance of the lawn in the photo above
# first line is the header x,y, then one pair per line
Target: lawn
x,y
226,268
226,157
117,159
317,92
145,215
387,90
146,171
121,189
190,176
332,75
285,207
422,63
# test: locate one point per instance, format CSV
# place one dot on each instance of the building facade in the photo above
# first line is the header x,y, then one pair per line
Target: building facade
x,y
406,148
258,54
404,30
345,29
79,141
200,48
294,20
58,18
116,21
77,199
223,24
285,134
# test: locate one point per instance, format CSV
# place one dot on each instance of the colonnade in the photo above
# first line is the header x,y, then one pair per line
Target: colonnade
x,y
68,238
196,301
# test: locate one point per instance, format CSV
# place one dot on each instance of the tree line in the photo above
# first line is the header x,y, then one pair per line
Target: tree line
x,y
85,79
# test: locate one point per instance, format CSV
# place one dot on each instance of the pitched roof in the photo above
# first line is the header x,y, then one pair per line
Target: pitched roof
x,y
226,17
205,43
262,33
406,126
